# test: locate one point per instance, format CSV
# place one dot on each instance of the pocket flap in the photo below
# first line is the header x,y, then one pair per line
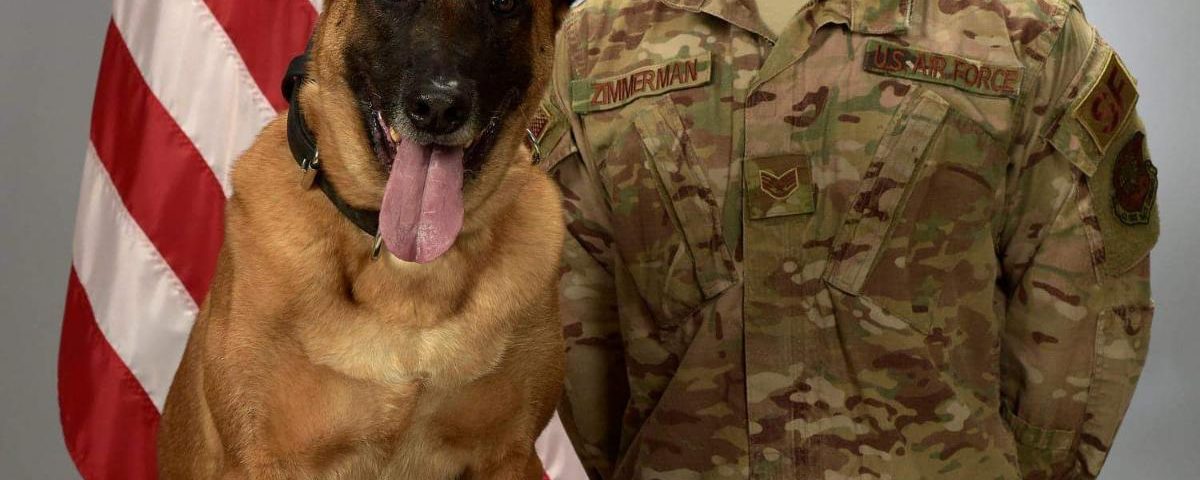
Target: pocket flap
x,y
685,186
883,190
1039,438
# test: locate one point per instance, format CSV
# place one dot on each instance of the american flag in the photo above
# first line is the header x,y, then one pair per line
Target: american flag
x,y
184,87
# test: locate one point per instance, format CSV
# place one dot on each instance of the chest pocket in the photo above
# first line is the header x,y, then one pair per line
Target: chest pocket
x,y
664,215
916,237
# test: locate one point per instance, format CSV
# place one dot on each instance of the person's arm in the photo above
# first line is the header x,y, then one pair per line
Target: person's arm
x,y
1080,222
596,384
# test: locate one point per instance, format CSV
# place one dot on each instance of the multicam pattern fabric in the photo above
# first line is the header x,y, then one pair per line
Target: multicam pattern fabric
x,y
803,268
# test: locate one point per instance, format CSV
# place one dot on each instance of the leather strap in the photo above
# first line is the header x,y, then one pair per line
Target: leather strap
x,y
305,152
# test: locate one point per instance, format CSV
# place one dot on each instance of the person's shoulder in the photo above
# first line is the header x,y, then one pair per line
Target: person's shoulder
x,y
607,5
609,34
1024,19
1029,29
611,17
610,8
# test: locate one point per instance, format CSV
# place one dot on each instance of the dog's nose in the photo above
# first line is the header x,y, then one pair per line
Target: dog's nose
x,y
438,108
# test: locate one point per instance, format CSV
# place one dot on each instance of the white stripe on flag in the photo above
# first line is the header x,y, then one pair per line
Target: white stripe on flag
x,y
193,68
317,5
139,303
558,457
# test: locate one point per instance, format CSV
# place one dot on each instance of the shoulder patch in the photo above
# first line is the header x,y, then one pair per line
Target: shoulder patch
x,y
591,95
537,125
546,129
1134,183
886,58
1109,105
1124,192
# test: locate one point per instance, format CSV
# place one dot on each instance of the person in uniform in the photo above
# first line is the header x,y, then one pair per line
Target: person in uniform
x,y
835,239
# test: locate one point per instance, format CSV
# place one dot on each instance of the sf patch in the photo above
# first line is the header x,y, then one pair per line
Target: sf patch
x,y
1134,183
1109,105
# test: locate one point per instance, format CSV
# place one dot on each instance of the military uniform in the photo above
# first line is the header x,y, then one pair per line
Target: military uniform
x,y
903,239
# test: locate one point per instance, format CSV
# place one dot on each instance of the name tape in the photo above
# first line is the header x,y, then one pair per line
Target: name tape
x,y
590,95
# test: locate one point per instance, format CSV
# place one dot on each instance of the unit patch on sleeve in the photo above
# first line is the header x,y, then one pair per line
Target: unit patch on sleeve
x,y
885,58
1134,183
537,125
590,95
1123,194
1109,105
547,129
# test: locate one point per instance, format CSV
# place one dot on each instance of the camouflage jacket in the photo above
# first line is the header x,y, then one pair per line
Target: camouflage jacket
x,y
906,239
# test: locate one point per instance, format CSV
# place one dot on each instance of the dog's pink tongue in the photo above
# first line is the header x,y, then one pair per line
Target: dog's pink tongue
x,y
422,209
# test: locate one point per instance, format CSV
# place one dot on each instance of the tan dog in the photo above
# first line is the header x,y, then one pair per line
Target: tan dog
x,y
311,359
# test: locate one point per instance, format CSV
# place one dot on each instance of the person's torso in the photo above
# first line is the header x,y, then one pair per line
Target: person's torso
x,y
806,231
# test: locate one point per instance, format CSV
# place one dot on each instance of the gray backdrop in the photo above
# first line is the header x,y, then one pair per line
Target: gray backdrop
x,y
49,54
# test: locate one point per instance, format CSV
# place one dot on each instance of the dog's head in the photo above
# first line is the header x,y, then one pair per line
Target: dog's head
x,y
440,93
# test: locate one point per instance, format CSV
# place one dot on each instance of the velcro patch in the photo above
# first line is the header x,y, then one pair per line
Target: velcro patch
x,y
591,95
546,130
885,58
1123,194
1109,105
779,186
1134,183
537,125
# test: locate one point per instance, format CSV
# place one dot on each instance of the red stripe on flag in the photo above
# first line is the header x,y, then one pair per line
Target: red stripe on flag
x,y
161,177
267,34
108,421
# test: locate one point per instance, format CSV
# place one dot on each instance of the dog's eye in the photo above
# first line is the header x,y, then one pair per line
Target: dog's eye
x,y
504,7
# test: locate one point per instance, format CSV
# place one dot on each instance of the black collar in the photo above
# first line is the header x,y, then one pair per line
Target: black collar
x,y
304,150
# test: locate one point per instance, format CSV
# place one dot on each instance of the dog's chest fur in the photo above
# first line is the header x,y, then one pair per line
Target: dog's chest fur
x,y
378,369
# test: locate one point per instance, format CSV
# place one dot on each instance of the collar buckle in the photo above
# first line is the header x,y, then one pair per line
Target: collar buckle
x,y
308,170
533,143
377,246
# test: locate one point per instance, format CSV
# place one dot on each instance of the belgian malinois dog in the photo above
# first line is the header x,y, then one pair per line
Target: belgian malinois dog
x,y
430,349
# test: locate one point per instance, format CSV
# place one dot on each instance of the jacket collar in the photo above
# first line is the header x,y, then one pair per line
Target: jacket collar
x,y
877,17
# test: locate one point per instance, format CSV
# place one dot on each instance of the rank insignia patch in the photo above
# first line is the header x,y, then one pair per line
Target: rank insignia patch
x,y
779,187
1109,105
1134,183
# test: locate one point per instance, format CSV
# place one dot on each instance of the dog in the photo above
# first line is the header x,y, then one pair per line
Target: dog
x,y
430,350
